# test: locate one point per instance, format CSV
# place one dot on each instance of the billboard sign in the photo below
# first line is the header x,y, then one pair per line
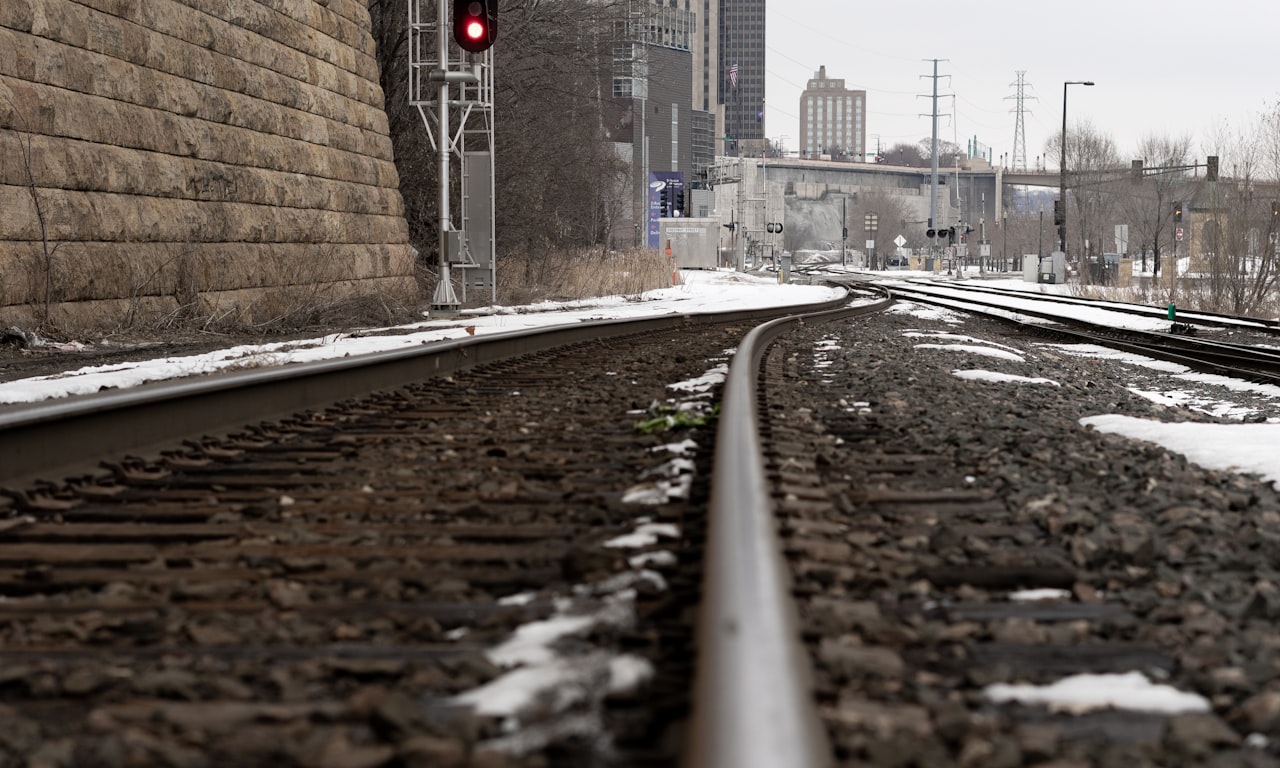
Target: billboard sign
x,y
672,182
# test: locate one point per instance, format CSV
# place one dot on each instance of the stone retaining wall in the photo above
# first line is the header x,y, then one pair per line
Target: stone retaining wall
x,y
212,157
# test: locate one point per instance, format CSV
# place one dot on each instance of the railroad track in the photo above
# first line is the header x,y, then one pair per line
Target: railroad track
x,y
362,584
1256,362
1194,317
957,547
348,585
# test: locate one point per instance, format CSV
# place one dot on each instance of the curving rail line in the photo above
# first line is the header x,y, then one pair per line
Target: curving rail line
x,y
753,706
65,437
753,703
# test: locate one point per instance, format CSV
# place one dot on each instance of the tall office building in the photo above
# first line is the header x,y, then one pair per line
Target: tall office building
x,y
708,123
655,115
742,75
833,119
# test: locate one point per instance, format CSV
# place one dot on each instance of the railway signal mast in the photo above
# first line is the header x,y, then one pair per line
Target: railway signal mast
x,y
453,91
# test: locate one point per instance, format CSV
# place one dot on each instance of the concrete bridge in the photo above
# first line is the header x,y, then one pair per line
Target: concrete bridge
x,y
814,194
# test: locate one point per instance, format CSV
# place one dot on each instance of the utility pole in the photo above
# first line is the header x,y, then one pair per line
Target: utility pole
x,y
933,163
1062,170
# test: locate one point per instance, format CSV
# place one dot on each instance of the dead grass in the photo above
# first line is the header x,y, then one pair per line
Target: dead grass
x,y
573,275
1189,295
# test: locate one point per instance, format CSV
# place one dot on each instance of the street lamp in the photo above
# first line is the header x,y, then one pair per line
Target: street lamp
x,y
1062,169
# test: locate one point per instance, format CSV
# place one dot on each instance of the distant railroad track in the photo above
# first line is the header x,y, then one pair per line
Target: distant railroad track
x,y
1197,317
1210,354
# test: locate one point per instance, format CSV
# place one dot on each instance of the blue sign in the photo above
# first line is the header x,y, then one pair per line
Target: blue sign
x,y
672,182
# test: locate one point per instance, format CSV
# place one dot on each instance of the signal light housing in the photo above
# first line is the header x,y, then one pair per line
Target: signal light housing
x,y
475,24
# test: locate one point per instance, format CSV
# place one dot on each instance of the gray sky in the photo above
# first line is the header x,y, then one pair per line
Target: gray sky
x,y
1168,68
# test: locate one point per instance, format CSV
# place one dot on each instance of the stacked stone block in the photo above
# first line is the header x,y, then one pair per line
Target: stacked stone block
x,y
221,158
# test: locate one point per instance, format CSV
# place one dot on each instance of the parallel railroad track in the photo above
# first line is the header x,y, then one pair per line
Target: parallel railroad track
x,y
1253,362
1194,317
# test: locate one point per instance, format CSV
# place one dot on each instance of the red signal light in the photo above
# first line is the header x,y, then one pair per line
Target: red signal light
x,y
475,24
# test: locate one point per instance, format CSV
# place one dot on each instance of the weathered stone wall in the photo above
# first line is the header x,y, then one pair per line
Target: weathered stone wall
x,y
217,157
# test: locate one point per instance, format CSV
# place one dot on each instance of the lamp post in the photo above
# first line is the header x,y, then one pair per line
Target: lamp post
x,y
1062,168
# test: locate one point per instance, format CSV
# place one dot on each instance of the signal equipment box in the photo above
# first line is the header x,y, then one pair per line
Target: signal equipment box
x,y
694,243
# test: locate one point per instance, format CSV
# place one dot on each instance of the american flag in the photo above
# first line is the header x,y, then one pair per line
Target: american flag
x,y
733,75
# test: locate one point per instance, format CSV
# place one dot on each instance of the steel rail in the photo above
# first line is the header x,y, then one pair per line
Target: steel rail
x,y
68,437
1209,350
1259,365
753,701
1192,316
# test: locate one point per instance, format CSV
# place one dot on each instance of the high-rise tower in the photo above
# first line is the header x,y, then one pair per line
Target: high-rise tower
x,y
832,119
742,75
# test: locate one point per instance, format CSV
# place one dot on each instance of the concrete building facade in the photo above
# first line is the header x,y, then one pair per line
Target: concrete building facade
x,y
655,110
833,119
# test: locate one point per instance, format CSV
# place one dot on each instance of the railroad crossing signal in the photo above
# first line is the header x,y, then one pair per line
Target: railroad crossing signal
x,y
1177,213
475,24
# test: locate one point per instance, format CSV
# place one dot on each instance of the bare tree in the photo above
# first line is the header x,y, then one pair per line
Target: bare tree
x,y
1236,224
1148,207
908,155
557,172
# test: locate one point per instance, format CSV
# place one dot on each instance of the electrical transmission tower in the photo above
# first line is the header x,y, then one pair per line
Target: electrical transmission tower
x,y
1019,127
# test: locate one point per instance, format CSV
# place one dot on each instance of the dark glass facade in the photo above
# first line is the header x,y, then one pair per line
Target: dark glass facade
x,y
742,44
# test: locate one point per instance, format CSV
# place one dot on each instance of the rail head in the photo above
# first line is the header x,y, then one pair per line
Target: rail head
x,y
753,700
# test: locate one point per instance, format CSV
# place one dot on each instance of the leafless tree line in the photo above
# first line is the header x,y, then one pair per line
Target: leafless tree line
x,y
1226,259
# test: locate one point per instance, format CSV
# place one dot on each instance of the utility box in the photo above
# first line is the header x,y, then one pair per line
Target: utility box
x,y
1051,269
694,243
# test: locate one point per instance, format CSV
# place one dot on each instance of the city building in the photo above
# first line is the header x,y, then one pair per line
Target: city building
x,y
708,117
741,53
833,119
654,114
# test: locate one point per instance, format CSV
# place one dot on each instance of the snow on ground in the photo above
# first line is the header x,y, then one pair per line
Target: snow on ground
x,y
701,292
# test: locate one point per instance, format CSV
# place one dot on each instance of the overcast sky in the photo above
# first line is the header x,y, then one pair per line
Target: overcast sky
x,y
1173,67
